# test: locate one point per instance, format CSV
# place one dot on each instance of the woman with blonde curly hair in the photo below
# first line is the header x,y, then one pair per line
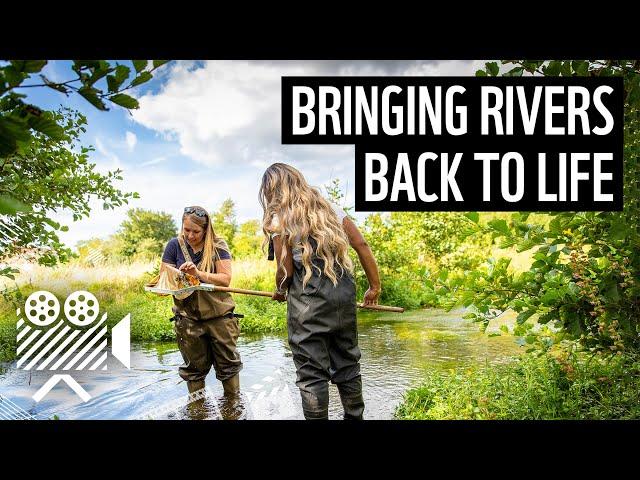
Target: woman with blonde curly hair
x,y
310,239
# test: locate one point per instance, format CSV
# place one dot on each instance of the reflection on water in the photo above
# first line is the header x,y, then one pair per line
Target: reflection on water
x,y
397,350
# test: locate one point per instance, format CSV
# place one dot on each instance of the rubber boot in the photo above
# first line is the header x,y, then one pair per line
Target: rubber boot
x,y
195,385
231,385
231,404
315,407
351,398
196,409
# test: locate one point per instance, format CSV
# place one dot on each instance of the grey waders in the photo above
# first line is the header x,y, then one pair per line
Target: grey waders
x,y
323,337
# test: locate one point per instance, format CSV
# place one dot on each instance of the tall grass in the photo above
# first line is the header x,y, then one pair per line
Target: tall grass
x,y
531,388
120,291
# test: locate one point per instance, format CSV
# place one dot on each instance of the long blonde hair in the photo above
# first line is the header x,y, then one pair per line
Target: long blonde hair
x,y
212,243
303,213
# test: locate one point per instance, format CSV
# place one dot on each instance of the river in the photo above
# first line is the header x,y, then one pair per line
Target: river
x,y
397,351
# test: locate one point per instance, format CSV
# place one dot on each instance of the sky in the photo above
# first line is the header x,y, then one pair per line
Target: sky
x,y
206,130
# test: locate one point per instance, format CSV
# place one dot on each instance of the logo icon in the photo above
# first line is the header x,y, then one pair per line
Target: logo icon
x,y
45,341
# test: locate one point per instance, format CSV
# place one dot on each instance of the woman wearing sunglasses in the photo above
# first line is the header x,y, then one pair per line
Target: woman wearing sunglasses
x,y
206,328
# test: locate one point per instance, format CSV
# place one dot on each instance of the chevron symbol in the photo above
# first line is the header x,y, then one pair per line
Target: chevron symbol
x,y
53,381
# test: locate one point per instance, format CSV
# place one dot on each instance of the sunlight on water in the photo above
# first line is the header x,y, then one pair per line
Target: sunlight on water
x,y
396,352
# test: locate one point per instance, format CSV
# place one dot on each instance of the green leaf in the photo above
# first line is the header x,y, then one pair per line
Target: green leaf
x,y
549,297
581,68
612,293
499,225
99,73
481,73
143,78
140,65
552,69
48,126
493,69
51,223
504,328
11,206
11,132
13,76
114,81
124,100
16,127
159,63
28,66
473,216
618,230
55,86
634,94
91,95
524,316
514,72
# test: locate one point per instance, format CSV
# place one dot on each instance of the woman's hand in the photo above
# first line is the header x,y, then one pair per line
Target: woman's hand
x,y
371,296
190,268
279,297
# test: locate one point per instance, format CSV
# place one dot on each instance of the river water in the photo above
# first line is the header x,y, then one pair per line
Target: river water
x,y
397,351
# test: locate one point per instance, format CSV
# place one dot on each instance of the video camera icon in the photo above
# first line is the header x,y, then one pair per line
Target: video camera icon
x,y
46,342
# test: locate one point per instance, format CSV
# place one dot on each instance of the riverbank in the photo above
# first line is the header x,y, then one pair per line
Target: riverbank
x,y
120,291
531,388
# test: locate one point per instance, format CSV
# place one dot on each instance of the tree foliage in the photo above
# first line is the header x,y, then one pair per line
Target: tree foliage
x,y
145,233
583,281
224,221
42,166
43,177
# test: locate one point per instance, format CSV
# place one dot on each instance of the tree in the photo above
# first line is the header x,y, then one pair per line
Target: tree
x,y
584,275
97,81
247,242
40,169
46,175
145,233
224,222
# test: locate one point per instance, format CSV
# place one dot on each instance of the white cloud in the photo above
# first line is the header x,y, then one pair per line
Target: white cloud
x,y
107,160
131,140
154,161
226,117
228,112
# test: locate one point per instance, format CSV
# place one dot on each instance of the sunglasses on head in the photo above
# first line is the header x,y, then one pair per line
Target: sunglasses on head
x,y
195,211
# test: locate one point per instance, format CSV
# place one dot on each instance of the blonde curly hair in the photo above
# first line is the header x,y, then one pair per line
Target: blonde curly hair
x,y
299,212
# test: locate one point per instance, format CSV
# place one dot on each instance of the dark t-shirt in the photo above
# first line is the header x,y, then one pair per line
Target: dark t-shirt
x,y
173,253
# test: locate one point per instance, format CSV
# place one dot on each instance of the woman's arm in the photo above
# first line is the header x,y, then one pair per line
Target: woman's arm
x,y
283,277
222,277
367,260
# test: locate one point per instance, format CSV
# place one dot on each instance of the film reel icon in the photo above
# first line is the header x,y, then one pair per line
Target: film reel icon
x,y
81,308
42,308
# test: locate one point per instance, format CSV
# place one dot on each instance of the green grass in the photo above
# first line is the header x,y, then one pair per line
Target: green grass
x,y
531,388
120,290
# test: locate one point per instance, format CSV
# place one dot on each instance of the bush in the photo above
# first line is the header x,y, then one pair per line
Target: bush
x,y
533,388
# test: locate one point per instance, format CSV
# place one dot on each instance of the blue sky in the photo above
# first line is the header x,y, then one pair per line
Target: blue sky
x,y
205,131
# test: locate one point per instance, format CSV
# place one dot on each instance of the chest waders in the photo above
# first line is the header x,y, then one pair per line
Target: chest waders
x,y
207,332
323,337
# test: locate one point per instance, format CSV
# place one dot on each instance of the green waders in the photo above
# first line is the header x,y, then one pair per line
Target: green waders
x,y
207,332
323,337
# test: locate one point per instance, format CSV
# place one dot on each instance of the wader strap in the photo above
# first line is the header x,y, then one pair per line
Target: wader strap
x,y
228,315
271,254
187,257
183,247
